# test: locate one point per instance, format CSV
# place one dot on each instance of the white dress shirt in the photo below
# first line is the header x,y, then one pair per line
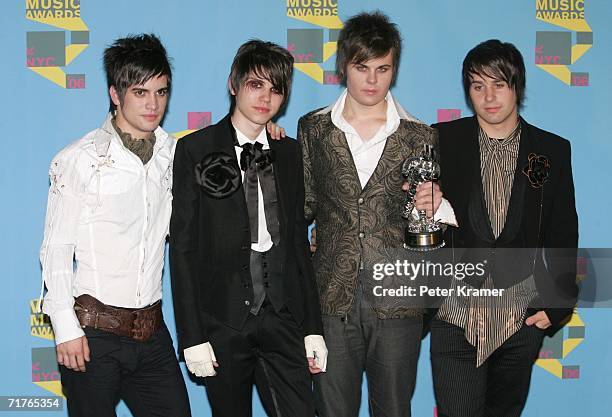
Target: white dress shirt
x,y
106,225
367,153
265,239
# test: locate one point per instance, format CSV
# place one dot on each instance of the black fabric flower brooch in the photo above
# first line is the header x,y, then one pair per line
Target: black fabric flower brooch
x,y
537,170
218,174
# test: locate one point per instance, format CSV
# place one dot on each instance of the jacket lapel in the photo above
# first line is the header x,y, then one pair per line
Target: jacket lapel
x,y
477,208
398,148
337,142
523,210
335,146
223,139
280,176
524,200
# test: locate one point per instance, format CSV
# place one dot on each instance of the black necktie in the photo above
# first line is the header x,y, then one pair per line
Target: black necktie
x,y
257,164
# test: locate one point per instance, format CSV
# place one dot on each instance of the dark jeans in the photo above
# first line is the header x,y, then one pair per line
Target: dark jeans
x,y
145,375
387,350
498,388
268,352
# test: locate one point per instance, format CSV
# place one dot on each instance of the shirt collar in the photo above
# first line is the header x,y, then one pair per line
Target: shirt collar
x,y
509,142
395,113
261,138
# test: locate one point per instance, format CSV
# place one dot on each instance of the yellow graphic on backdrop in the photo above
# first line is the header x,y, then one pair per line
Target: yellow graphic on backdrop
x,y
47,51
40,325
555,52
54,387
322,13
575,336
45,371
307,46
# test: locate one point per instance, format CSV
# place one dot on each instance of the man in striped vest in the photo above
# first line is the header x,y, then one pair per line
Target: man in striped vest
x,y
511,187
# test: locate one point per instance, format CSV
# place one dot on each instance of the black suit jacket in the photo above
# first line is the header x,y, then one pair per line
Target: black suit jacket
x,y
541,226
210,243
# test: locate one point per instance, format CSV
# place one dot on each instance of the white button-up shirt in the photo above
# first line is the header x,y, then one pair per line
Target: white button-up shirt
x,y
366,153
107,221
265,239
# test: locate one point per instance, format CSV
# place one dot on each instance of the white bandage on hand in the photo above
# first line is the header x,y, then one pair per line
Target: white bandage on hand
x,y
199,360
315,348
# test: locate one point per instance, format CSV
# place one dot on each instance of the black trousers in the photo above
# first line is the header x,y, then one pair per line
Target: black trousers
x,y
498,388
268,352
145,375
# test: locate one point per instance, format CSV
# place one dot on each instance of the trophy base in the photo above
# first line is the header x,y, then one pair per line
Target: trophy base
x,y
423,241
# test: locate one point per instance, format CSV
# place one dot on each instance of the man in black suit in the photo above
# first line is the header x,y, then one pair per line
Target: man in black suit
x,y
511,187
239,254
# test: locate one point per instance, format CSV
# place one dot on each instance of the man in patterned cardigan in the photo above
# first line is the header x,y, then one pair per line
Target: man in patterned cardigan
x,y
353,151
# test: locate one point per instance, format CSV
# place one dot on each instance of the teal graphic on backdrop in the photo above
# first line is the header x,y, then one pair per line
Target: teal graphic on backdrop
x,y
45,371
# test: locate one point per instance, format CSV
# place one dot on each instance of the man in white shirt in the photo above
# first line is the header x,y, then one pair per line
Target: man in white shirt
x,y
103,251
245,301
352,152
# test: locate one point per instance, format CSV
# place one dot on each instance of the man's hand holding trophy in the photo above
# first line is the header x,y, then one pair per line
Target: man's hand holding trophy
x,y
422,232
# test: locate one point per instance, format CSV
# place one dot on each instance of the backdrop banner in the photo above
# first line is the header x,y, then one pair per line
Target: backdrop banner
x,y
56,92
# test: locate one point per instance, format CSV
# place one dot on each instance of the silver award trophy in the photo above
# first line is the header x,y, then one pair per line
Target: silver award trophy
x,y
422,233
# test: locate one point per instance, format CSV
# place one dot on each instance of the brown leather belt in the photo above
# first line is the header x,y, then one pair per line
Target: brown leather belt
x,y
136,323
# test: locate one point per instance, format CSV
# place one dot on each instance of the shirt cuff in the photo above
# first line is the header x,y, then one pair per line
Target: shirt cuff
x,y
66,326
445,214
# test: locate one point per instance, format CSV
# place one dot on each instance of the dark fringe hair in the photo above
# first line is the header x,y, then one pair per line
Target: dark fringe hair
x,y
366,36
265,60
134,60
497,60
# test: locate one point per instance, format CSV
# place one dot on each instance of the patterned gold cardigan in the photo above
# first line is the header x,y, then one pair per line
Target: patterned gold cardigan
x,y
356,227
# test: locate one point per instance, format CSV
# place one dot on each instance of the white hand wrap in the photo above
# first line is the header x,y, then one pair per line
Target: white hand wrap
x,y
315,348
199,360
